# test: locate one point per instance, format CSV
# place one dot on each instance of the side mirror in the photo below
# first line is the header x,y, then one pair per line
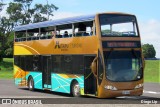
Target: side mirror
x,y
94,67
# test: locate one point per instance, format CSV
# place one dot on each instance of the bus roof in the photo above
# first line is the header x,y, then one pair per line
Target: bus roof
x,y
55,22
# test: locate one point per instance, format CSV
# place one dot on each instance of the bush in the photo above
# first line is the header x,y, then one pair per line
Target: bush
x,y
148,51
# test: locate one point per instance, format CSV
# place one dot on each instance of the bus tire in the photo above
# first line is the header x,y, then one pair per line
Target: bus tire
x,y
31,84
75,89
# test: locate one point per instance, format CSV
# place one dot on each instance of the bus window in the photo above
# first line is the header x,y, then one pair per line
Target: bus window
x,y
66,33
16,60
57,60
83,29
33,34
29,65
20,36
58,35
47,33
35,63
123,66
118,25
67,64
89,31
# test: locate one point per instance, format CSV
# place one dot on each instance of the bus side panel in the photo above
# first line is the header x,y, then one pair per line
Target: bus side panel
x,y
19,76
62,82
37,77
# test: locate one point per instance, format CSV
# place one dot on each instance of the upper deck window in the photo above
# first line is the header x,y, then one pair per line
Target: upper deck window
x,y
118,25
61,28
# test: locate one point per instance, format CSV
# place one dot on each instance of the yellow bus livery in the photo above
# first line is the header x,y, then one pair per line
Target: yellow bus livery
x,y
97,55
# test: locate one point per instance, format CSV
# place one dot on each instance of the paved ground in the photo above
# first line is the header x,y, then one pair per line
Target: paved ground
x,y
9,90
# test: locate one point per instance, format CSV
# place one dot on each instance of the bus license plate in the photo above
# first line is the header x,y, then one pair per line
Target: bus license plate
x,y
125,92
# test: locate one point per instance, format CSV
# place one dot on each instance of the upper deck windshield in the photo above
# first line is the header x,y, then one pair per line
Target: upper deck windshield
x,y
118,25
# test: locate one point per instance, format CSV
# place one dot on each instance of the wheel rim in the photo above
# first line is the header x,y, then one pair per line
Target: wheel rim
x,y
76,89
30,84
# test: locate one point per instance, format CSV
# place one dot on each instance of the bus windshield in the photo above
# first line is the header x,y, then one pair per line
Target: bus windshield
x,y
118,25
123,66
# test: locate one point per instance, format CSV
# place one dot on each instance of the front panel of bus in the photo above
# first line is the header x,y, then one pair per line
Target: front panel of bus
x,y
122,56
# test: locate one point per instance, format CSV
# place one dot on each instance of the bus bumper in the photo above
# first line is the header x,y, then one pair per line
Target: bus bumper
x,y
118,93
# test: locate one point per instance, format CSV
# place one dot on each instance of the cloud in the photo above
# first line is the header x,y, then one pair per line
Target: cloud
x,y
150,33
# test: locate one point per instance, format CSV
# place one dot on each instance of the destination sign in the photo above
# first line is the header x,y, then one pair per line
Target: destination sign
x,y
120,44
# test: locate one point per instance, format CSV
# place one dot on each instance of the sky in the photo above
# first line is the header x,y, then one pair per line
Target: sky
x,y
146,11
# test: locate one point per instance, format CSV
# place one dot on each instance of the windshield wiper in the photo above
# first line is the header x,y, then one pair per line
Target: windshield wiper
x,y
109,53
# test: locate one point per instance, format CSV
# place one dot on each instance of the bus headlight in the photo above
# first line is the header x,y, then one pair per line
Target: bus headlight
x,y
109,87
138,86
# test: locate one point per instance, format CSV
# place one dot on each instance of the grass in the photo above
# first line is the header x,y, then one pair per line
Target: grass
x,y
151,73
6,68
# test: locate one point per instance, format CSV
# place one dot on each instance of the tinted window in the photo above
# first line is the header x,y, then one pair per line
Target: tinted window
x,y
123,66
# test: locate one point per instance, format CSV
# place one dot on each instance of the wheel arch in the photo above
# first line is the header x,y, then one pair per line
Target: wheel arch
x,y
72,82
30,76
28,83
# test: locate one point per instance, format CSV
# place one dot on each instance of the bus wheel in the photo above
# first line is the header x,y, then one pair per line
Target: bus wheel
x,y
31,84
75,89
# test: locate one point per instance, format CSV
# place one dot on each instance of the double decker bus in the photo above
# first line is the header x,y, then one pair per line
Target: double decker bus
x,y
97,55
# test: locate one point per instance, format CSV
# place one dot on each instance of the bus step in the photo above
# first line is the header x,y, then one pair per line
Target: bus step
x,y
49,89
92,95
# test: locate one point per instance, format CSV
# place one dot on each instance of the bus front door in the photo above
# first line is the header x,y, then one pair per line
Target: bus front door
x,y
90,81
46,72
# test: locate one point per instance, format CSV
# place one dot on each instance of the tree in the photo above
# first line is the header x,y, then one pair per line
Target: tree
x,y
1,33
20,12
8,46
148,51
5,34
42,10
5,29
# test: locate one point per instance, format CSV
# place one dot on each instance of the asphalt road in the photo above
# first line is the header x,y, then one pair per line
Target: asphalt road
x,y
9,90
